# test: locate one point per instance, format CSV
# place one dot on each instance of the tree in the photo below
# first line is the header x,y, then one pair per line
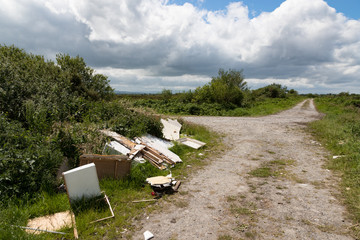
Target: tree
x,y
226,89
82,78
166,95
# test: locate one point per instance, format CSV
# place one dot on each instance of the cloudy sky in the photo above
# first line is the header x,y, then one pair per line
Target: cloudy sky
x,y
150,45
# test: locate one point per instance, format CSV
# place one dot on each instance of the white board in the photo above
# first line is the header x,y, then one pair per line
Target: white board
x,y
116,148
171,130
82,182
191,142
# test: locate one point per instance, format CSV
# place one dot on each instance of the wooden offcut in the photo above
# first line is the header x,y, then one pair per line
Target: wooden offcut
x,y
108,166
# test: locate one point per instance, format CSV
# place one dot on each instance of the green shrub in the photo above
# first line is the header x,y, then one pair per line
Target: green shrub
x,y
28,163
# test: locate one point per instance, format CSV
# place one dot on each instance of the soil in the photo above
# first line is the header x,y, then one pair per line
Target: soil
x,y
270,182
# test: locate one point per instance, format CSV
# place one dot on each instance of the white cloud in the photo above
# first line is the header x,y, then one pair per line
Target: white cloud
x,y
301,43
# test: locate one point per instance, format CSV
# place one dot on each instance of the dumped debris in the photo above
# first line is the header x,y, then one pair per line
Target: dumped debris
x,y
171,130
115,148
83,182
114,166
159,180
121,139
49,223
148,235
163,185
152,140
196,144
158,158
160,145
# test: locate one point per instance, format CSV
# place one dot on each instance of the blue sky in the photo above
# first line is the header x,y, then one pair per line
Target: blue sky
x,y
151,45
350,8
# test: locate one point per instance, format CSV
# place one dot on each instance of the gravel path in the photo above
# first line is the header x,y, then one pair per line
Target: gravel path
x,y
270,183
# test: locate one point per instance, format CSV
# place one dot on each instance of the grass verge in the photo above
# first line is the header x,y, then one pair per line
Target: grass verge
x,y
339,132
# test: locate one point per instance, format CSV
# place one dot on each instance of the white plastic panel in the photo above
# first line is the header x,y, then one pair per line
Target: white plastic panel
x,y
82,182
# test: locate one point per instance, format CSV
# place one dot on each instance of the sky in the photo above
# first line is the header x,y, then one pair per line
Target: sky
x,y
312,46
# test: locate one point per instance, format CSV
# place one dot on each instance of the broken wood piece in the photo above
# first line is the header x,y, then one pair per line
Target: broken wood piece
x,y
76,235
112,212
121,139
177,185
154,156
159,145
159,180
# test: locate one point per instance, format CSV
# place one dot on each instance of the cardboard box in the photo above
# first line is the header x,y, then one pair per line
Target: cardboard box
x,y
108,166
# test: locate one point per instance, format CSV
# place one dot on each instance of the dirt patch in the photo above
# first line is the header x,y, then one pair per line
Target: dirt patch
x,y
269,184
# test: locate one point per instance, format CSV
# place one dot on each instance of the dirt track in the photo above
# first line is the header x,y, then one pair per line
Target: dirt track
x,y
225,201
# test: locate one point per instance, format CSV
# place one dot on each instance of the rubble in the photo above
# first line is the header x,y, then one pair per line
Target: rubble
x,y
157,158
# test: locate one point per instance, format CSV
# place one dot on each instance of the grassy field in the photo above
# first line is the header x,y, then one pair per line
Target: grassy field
x,y
339,131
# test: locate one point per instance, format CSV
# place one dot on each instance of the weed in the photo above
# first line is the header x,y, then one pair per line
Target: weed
x,y
231,198
262,172
251,235
273,168
225,237
238,210
181,203
241,227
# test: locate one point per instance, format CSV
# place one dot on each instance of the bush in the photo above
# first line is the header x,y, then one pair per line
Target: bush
x,y
273,91
226,89
38,92
27,162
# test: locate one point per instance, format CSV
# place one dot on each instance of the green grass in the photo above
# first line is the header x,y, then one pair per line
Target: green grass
x,y
271,169
262,172
339,132
120,192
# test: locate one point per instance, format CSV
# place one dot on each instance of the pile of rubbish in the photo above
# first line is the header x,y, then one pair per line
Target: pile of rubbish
x,y
119,155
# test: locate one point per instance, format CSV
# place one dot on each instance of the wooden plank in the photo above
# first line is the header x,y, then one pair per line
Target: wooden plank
x,y
120,138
